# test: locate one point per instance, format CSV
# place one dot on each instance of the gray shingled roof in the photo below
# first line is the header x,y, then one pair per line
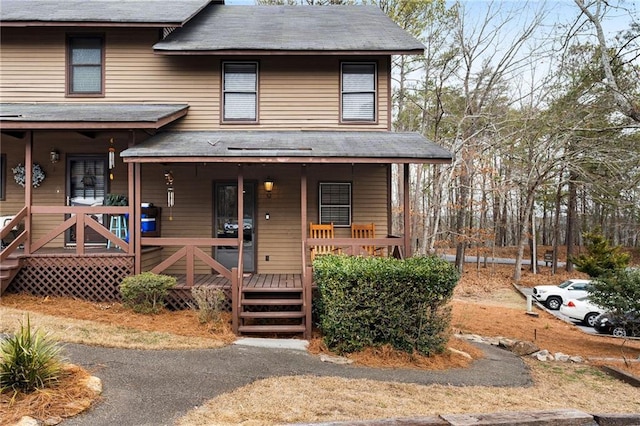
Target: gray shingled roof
x,y
291,28
160,12
23,115
294,146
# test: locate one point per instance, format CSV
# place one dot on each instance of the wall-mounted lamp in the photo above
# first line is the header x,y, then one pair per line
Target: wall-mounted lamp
x,y
54,156
268,186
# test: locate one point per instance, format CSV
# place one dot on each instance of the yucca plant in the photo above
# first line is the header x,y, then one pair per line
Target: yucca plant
x,y
29,360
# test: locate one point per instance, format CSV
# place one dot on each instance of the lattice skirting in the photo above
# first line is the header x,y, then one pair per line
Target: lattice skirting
x,y
94,278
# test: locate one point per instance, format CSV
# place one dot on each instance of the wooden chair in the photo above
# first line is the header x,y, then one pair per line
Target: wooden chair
x,y
317,230
366,231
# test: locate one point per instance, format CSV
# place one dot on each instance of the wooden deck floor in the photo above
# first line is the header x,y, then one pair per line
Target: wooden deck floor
x,y
250,281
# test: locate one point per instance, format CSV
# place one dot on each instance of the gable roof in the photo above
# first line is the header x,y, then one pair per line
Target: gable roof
x,y
355,29
160,13
287,146
29,116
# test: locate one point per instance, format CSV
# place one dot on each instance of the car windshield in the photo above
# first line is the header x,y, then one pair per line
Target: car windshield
x,y
565,284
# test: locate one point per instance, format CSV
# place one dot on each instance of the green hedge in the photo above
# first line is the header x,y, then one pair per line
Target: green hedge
x,y
145,293
373,301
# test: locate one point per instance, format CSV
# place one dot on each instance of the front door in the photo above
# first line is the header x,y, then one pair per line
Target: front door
x,y
86,186
226,224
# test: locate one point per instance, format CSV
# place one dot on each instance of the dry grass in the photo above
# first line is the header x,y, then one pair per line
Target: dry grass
x,y
299,399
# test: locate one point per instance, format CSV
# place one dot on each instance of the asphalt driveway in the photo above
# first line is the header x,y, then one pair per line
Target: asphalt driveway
x,y
158,387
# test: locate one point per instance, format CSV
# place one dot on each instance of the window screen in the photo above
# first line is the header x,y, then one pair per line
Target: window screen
x,y
240,88
335,203
358,91
85,65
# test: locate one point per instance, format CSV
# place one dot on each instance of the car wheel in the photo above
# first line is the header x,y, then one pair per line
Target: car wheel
x,y
554,303
590,319
619,332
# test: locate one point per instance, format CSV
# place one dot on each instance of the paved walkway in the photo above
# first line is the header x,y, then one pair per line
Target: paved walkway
x,y
158,387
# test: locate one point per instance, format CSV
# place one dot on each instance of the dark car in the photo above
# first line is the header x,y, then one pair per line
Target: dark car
x,y
621,325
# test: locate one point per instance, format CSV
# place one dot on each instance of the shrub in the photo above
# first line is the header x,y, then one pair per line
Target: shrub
x,y
210,301
370,302
29,360
618,292
600,258
145,293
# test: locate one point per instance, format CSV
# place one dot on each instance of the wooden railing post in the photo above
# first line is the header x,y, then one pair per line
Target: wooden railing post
x,y
235,294
307,291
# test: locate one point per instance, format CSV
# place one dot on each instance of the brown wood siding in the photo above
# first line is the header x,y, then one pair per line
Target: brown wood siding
x,y
294,91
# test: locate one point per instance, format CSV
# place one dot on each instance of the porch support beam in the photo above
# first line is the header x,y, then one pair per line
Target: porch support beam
x,y
131,190
407,213
135,175
240,220
28,189
303,216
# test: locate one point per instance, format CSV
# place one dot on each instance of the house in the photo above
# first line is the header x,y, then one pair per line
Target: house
x,y
229,130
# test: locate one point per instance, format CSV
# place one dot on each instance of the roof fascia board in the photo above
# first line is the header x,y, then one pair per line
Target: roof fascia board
x,y
290,52
290,160
96,24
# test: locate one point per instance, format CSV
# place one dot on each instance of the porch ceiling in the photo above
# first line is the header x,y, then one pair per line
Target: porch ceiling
x,y
82,116
287,146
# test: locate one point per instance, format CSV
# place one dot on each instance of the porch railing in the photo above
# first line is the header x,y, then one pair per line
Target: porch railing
x,y
19,239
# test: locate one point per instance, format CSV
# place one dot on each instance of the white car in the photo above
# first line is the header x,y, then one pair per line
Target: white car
x,y
553,296
581,310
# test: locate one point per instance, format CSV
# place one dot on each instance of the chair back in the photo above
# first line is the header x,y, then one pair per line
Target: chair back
x,y
367,230
317,230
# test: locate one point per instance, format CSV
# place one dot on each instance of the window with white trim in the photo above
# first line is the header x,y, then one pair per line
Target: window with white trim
x,y
85,65
240,91
335,203
358,91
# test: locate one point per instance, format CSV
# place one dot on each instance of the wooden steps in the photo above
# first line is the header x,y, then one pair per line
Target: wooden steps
x,y
271,311
9,268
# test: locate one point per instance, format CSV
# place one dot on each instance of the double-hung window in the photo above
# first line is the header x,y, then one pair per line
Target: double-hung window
x,y
85,59
358,91
240,91
335,203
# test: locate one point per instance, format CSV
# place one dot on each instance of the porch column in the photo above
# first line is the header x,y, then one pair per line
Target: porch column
x,y
135,175
133,201
28,188
407,214
240,221
303,215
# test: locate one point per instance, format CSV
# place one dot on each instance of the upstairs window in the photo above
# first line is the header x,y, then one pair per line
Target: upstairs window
x,y
335,203
358,92
240,91
85,74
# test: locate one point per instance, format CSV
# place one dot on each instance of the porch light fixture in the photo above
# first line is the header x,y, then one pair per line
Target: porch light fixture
x,y
268,186
54,156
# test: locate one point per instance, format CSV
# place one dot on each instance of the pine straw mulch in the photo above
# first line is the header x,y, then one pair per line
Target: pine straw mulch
x,y
68,397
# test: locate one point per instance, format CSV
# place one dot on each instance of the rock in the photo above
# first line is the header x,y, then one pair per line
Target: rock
x,y
335,359
576,359
524,348
53,421
559,356
461,353
27,421
95,384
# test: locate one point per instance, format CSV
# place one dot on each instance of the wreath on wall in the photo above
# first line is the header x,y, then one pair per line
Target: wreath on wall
x,y
36,178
